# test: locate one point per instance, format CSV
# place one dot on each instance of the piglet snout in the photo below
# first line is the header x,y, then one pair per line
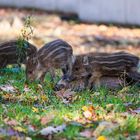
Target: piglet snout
x,y
58,87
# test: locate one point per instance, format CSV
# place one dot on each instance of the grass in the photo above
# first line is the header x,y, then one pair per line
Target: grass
x,y
28,108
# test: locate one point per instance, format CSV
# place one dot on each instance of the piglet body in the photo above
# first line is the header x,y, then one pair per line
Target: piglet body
x,y
53,55
93,66
9,53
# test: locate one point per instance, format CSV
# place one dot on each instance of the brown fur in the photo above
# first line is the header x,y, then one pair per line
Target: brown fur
x,y
94,66
79,84
99,65
8,52
53,55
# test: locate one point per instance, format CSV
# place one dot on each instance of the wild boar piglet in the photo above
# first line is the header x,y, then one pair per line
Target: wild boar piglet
x,y
94,66
121,64
9,52
79,84
57,54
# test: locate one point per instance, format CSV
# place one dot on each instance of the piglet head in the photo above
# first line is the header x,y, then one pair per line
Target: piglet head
x,y
63,83
31,66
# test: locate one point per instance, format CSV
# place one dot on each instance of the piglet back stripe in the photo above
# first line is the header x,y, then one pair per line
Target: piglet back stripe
x,y
113,58
116,56
57,51
8,43
10,47
56,55
54,48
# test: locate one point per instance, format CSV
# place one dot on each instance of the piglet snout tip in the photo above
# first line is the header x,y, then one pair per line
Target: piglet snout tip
x,y
58,87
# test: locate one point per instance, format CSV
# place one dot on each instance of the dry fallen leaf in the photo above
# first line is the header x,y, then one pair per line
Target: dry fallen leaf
x,y
19,129
46,119
66,96
82,120
34,109
8,88
40,86
89,113
86,133
31,128
136,111
108,126
84,108
11,122
43,98
7,96
26,89
51,130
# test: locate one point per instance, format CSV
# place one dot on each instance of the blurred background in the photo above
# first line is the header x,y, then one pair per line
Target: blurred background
x,y
88,25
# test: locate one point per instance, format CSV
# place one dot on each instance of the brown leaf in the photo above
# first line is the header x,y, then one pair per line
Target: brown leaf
x,y
51,130
66,96
108,126
11,122
31,128
8,88
89,113
136,111
86,133
26,88
46,119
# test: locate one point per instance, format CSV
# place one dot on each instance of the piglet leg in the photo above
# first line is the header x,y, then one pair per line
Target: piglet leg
x,y
42,77
94,79
52,73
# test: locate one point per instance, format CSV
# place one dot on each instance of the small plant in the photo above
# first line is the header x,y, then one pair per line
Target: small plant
x,y
22,44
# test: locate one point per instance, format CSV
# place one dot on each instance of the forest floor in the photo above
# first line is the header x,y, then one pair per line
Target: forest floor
x,y
39,112
32,111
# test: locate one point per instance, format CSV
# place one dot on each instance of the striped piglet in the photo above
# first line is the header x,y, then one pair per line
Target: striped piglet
x,y
93,66
53,55
9,53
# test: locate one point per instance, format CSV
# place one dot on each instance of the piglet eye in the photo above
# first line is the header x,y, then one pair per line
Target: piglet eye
x,y
30,72
76,68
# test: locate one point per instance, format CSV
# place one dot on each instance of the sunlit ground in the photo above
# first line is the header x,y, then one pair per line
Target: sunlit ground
x,y
38,112
41,113
83,37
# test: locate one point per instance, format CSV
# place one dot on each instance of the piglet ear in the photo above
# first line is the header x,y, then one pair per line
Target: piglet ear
x,y
85,61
